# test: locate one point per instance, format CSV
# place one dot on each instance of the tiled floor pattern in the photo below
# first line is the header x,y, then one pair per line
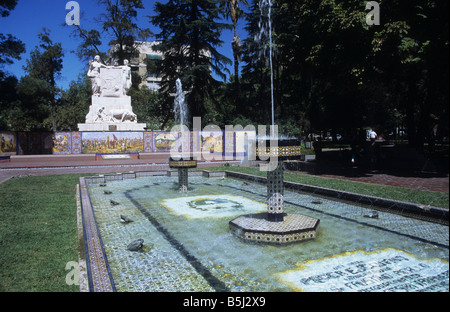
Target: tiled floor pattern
x,y
161,267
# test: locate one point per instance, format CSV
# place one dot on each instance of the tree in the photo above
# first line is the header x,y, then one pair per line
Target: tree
x,y
146,104
32,111
231,9
10,47
190,34
337,72
75,103
118,21
45,63
89,47
6,6
411,52
255,85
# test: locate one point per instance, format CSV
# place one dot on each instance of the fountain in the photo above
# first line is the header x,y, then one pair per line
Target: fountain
x,y
182,162
182,243
274,226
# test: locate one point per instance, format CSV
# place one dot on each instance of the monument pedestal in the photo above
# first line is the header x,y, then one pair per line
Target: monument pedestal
x,y
111,114
112,127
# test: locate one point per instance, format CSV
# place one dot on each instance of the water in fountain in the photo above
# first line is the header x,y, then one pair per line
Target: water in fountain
x,y
265,33
187,245
181,112
180,107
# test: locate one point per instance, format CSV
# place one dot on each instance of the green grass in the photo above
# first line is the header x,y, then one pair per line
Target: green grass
x,y
38,233
436,199
38,224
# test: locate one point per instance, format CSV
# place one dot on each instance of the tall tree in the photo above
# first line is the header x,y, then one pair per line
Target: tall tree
x,y
74,103
232,10
6,6
190,34
119,22
10,47
45,63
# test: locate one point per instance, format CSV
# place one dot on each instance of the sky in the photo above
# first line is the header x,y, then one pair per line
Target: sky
x,y
29,17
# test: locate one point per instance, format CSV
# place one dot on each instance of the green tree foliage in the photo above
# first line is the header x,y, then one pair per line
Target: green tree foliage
x,y
119,22
190,34
6,6
10,47
75,104
333,71
147,106
45,63
30,104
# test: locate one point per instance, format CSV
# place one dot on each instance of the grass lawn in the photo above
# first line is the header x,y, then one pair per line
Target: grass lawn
x,y
38,224
38,233
437,199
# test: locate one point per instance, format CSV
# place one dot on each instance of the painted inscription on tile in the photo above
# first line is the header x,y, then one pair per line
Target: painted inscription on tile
x,y
386,270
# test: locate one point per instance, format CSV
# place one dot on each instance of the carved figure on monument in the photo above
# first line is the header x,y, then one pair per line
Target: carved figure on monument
x,y
101,115
94,74
121,115
111,80
126,77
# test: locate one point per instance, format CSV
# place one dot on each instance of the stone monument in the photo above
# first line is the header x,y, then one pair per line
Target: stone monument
x,y
110,108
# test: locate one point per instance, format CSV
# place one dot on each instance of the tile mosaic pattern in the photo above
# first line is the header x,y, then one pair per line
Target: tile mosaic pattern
x,y
76,143
148,142
136,142
280,151
100,279
165,270
257,228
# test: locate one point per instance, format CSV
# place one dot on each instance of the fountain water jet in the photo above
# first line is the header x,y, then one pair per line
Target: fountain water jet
x,y
265,27
274,226
183,162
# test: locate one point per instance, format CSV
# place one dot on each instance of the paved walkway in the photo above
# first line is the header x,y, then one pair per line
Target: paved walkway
x,y
420,181
410,179
158,162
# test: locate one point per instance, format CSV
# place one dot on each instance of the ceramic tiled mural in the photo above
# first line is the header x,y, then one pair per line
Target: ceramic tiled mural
x,y
118,142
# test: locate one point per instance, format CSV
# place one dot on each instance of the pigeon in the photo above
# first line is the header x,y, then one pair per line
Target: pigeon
x,y
372,215
136,245
114,203
124,219
107,192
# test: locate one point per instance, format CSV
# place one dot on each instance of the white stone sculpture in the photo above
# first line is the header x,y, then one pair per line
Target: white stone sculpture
x,y
94,74
126,77
110,108
122,115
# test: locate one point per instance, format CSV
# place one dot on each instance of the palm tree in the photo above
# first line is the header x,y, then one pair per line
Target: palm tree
x,y
231,9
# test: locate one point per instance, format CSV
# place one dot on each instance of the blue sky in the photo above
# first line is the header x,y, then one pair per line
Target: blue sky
x,y
29,17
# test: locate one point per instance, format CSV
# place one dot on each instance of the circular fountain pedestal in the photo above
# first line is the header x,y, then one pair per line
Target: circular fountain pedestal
x,y
257,228
183,165
275,226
